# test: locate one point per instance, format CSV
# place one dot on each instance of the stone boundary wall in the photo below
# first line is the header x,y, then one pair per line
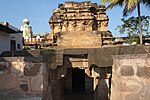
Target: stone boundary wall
x,y
131,77
23,78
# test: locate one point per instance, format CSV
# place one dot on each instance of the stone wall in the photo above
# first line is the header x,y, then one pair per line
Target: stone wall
x,y
131,77
102,57
23,78
33,75
82,39
39,74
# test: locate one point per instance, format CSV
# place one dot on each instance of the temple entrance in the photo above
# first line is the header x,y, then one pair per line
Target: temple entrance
x,y
77,85
78,80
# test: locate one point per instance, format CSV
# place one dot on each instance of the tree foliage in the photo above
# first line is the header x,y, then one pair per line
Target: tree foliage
x,y
129,6
131,26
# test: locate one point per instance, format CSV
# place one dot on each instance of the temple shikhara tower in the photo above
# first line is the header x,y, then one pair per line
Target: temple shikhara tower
x,y
80,25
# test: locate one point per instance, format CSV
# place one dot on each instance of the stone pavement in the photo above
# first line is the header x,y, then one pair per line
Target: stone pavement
x,y
79,96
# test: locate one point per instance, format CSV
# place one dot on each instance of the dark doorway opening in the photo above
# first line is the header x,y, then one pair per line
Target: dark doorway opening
x,y
13,45
78,80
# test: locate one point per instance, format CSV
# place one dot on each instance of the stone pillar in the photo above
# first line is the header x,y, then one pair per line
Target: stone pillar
x,y
55,78
56,72
57,86
102,89
88,84
103,85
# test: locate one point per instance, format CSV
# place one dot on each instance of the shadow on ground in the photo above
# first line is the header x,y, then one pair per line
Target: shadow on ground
x,y
79,96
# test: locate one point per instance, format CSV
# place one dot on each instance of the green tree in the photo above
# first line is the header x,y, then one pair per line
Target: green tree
x,y
130,27
129,6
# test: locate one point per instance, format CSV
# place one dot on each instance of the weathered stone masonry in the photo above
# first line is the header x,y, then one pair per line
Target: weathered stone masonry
x,y
131,77
40,74
23,77
28,74
80,25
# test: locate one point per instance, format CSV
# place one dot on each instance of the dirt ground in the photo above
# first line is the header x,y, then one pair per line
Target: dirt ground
x,y
79,96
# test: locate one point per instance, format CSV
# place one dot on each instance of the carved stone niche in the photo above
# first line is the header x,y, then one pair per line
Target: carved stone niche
x,y
89,25
104,26
99,25
65,26
85,23
57,28
80,26
52,26
71,26
60,25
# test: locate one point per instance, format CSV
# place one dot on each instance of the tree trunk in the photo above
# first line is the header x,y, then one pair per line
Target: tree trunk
x,y
140,23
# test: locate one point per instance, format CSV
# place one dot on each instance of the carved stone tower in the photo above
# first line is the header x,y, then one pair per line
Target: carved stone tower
x,y
80,25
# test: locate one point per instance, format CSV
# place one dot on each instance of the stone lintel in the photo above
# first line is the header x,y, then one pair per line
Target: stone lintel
x,y
78,60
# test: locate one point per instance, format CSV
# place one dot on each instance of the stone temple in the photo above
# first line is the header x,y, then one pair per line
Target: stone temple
x,y
83,65
80,25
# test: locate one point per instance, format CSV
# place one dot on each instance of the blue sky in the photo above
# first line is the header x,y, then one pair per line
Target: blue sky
x,y
39,12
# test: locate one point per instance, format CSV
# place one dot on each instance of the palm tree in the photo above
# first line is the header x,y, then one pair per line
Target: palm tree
x,y
129,6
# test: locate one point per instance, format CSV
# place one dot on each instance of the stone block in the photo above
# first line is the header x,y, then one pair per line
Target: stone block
x,y
3,66
134,81
131,85
35,59
52,59
127,71
52,66
17,68
145,94
36,83
143,72
147,62
9,82
32,69
43,68
132,96
24,87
